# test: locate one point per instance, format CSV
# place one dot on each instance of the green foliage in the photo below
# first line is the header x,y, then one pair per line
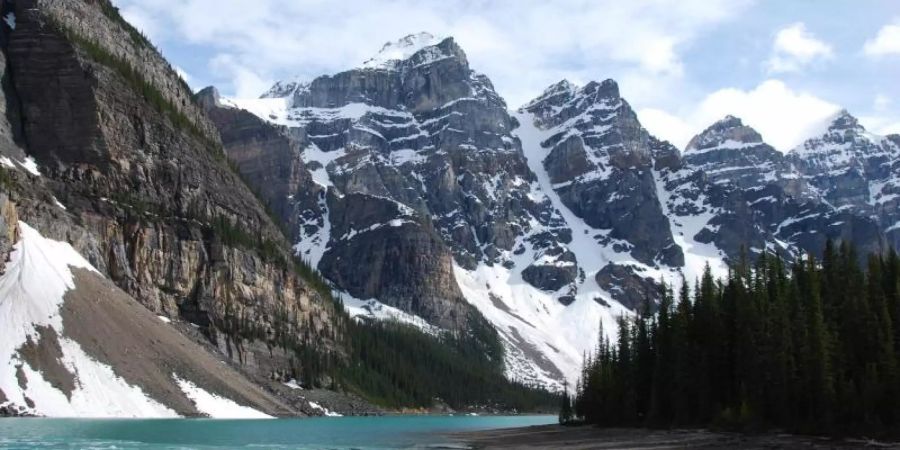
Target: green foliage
x,y
566,413
397,365
810,348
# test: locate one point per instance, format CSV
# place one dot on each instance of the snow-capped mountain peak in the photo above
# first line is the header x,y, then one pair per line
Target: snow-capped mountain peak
x,y
843,120
728,132
555,94
404,48
844,139
285,88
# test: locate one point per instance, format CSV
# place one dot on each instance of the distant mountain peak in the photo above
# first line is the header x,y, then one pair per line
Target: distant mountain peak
x,y
556,93
392,53
285,88
729,121
728,132
843,120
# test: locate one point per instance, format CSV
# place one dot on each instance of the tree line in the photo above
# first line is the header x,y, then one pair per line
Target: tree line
x,y
809,346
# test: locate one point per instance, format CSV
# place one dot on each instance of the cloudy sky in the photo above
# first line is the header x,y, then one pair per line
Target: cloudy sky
x,y
782,66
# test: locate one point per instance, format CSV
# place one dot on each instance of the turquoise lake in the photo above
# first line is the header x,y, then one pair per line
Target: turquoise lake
x,y
400,432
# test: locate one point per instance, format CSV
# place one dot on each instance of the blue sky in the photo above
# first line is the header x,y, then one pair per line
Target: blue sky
x,y
782,66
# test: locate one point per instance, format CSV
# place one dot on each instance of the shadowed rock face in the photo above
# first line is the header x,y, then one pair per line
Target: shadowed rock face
x,y
855,170
600,161
142,176
378,250
756,198
632,290
730,152
424,142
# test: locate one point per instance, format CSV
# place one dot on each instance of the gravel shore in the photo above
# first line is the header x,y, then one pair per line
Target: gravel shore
x,y
589,437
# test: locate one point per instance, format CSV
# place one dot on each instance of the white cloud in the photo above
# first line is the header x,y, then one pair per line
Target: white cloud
x,y
245,81
523,46
183,74
139,18
881,125
886,42
783,116
881,102
795,48
667,126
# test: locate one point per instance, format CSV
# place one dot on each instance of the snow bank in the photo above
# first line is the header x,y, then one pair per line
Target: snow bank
x,y
215,406
31,292
327,412
373,309
401,50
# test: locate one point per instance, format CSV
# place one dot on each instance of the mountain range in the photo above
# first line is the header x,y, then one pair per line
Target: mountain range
x,y
151,232
548,218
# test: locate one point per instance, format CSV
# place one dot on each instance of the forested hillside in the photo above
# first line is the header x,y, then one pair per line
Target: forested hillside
x,y
811,346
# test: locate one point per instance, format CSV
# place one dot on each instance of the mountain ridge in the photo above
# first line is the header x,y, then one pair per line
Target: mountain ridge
x,y
406,187
653,212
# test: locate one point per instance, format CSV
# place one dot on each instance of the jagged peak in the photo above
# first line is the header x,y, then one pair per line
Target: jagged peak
x,y
558,92
285,88
208,97
728,121
562,86
841,128
843,120
607,88
564,91
727,132
395,52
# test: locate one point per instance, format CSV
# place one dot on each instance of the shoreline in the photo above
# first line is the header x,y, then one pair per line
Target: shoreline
x,y
539,437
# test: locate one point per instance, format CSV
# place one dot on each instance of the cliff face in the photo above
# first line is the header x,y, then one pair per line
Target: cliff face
x,y
420,171
149,198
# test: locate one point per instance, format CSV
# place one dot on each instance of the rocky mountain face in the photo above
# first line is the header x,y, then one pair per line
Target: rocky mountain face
x,y
548,220
414,174
126,168
600,164
415,170
853,170
751,198
731,152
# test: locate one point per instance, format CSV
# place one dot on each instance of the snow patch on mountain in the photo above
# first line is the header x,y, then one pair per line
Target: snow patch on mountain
x,y
375,310
29,164
32,289
402,49
214,406
686,227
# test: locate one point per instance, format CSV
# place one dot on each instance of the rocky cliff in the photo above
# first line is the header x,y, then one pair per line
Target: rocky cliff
x,y
125,166
421,173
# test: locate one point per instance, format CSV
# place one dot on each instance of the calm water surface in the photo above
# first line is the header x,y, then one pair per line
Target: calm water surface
x,y
401,432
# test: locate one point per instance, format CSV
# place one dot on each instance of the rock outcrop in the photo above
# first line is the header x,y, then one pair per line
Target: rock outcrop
x,y
600,162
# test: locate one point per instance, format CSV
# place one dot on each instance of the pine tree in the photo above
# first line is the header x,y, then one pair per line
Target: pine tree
x,y
664,365
566,415
811,349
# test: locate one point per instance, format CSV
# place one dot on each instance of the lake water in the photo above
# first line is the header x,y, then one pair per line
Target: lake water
x,y
400,432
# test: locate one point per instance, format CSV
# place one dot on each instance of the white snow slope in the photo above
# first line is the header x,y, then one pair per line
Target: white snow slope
x,y
32,288
527,317
31,292
215,406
